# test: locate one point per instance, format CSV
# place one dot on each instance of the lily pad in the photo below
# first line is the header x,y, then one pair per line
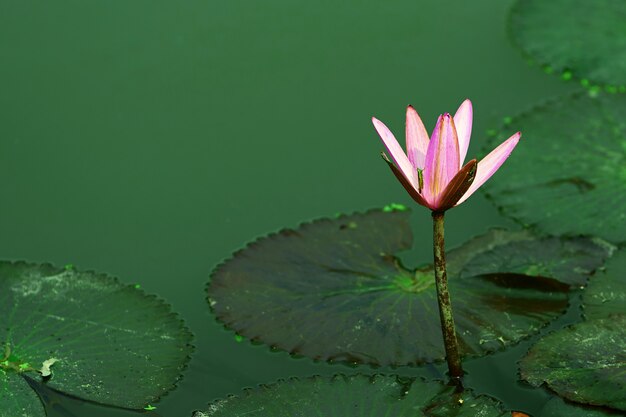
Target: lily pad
x,y
355,396
606,293
334,290
569,174
570,261
18,399
101,340
586,39
585,362
557,407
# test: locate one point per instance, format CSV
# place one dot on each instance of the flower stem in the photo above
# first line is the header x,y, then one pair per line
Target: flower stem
x,y
443,298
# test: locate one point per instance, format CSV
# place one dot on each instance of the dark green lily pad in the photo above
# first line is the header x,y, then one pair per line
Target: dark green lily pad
x,y
333,290
112,343
479,247
606,293
557,407
585,362
17,398
568,174
570,261
355,396
586,39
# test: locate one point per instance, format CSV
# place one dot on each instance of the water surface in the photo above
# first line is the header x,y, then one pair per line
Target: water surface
x,y
150,139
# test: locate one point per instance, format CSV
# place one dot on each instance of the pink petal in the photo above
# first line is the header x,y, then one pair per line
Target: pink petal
x,y
395,151
416,138
442,158
463,123
491,163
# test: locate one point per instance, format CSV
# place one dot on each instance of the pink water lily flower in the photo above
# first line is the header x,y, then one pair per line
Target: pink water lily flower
x,y
432,170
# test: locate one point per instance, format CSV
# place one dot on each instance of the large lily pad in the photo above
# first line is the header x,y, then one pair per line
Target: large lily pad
x,y
355,396
587,39
606,294
585,362
568,175
333,290
557,407
112,343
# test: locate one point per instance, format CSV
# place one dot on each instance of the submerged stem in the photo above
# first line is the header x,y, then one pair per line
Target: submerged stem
x,y
443,298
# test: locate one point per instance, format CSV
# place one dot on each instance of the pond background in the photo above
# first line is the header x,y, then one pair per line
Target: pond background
x,y
151,139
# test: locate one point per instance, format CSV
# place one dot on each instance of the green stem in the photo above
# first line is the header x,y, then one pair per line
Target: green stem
x,y
443,298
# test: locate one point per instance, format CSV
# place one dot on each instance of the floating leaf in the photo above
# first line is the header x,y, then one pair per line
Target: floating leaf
x,y
570,261
606,294
585,362
568,175
557,407
479,247
355,396
333,290
586,38
17,398
54,402
101,340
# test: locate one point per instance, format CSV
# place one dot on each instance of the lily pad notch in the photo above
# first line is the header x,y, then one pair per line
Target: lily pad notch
x,y
100,340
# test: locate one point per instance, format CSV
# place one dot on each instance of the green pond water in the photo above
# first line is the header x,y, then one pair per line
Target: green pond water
x,y
151,139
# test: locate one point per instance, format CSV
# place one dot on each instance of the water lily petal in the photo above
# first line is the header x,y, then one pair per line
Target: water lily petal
x,y
396,152
414,193
458,186
463,123
491,163
416,138
442,158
